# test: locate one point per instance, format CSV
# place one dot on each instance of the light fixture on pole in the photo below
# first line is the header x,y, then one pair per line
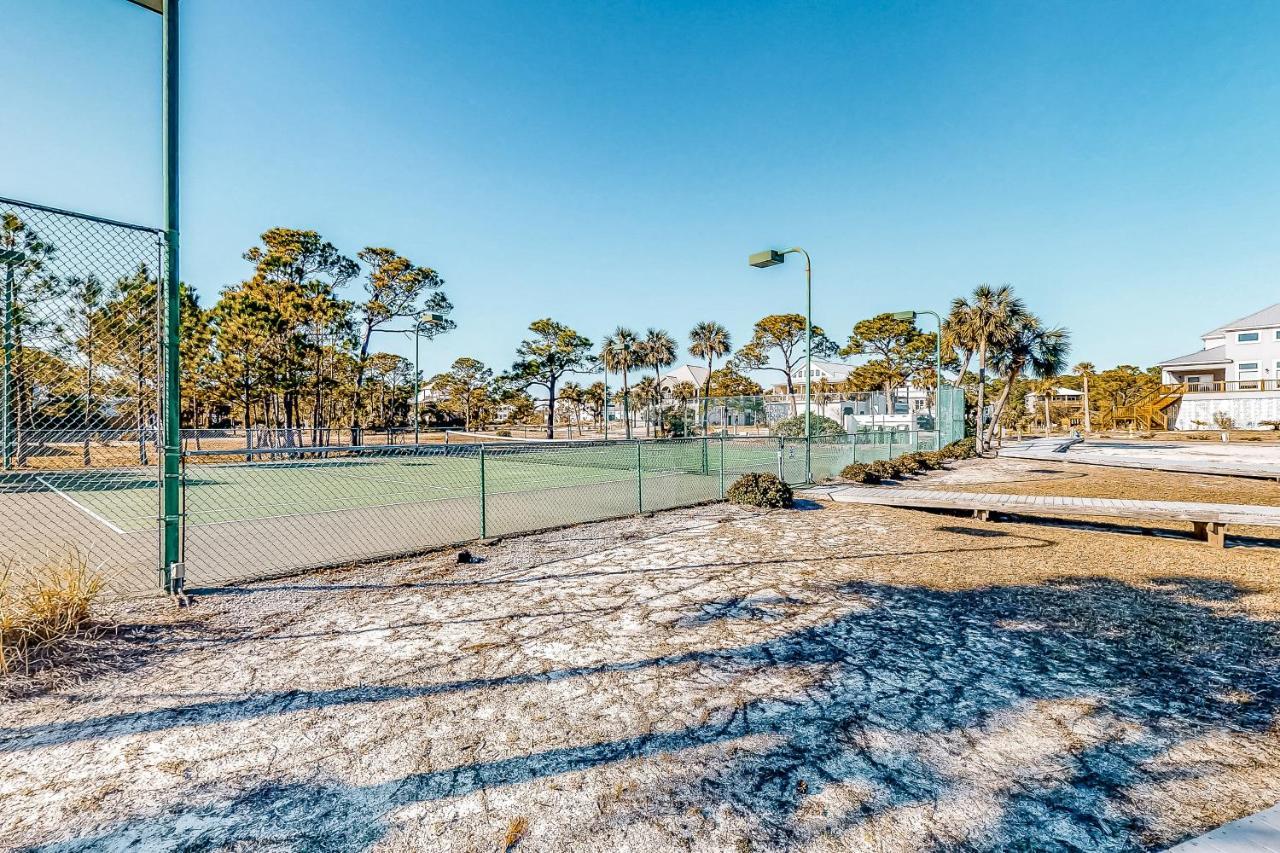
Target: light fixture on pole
x,y
427,319
771,258
937,359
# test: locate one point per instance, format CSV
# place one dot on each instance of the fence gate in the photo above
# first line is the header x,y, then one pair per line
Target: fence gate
x,y
81,412
951,420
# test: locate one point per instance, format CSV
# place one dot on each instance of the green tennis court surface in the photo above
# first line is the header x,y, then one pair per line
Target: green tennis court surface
x,y
125,501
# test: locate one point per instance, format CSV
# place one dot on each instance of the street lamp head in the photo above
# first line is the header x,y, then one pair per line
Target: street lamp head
x,y
904,315
431,317
767,258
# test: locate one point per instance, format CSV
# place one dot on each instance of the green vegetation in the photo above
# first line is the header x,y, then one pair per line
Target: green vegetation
x,y
760,490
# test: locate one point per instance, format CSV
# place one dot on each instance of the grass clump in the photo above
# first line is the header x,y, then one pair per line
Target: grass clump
x,y
42,610
883,469
859,472
761,490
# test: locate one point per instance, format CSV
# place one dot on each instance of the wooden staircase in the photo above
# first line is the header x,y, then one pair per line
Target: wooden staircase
x,y
1149,413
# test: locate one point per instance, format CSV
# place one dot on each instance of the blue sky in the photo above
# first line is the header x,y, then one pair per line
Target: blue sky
x,y
610,162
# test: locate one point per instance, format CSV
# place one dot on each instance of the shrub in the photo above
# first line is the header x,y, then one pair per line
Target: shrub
x,y
934,459
906,465
42,610
962,449
883,470
762,490
504,433
1273,424
1224,421
860,472
794,427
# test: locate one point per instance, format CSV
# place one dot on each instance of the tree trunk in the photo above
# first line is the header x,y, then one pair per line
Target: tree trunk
x,y
1088,420
626,403
551,408
982,395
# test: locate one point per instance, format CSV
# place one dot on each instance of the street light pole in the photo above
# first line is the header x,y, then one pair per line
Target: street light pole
x,y
937,360
769,258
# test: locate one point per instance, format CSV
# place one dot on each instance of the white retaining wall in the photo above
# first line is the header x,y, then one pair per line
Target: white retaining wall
x,y
1247,408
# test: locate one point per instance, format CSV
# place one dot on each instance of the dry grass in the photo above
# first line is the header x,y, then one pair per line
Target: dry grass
x,y
42,610
515,832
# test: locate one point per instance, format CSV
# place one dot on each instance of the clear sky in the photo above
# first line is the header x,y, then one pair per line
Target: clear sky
x,y
611,162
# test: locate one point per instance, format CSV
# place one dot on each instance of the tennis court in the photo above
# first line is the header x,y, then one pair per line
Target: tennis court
x,y
254,513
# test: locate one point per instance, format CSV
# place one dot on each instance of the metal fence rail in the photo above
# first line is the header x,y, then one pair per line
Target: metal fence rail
x,y
80,383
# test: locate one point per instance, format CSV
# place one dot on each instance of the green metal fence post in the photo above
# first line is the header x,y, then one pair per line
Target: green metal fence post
x,y
891,443
484,520
781,450
9,437
722,466
172,535
639,481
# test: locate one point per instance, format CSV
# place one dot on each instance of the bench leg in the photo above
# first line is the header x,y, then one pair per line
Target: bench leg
x,y
982,514
1213,532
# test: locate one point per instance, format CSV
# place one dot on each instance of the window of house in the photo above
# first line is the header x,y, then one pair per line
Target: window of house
x,y
1248,365
1247,338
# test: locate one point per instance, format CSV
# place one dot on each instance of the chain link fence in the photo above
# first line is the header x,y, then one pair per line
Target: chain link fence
x,y
284,510
81,378
81,428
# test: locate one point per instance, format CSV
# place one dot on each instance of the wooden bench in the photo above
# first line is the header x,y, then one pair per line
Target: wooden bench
x,y
1208,520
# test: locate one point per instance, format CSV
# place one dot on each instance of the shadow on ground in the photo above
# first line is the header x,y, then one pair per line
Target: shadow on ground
x,y
1162,662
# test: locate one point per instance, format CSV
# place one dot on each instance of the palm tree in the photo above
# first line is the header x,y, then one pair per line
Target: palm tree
x,y
1086,369
658,350
648,393
683,392
1031,348
709,340
989,321
620,352
1044,389
575,395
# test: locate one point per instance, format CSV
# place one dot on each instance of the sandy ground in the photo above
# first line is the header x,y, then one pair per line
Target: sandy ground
x,y
821,679
1265,454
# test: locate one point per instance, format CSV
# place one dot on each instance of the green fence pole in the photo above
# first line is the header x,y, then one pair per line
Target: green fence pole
x,y
781,450
484,520
722,466
639,481
10,433
172,535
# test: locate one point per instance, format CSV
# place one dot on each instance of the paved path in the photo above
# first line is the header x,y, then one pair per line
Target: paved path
x,y
1210,519
1155,457
1259,833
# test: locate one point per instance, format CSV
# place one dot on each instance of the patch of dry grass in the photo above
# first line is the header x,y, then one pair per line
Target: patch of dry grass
x,y
42,610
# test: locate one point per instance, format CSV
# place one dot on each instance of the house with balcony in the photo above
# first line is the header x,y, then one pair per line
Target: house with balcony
x,y
1234,375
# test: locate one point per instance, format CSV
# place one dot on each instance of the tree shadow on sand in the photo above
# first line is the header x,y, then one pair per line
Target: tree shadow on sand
x,y
1162,662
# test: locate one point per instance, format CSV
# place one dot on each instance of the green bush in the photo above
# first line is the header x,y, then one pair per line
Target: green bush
x,y
504,433
859,472
762,490
794,427
932,460
883,470
962,449
906,465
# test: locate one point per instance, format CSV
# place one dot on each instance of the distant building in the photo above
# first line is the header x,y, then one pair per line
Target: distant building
x,y
691,373
1235,374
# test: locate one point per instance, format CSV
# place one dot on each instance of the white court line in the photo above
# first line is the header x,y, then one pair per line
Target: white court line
x,y
75,503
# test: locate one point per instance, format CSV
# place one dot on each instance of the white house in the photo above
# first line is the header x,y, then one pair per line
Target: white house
x,y
1235,374
691,373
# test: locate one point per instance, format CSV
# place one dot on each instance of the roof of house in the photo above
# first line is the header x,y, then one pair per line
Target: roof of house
x,y
835,369
686,373
1063,392
1213,355
1267,317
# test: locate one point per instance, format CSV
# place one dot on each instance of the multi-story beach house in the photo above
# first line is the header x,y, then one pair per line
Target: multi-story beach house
x,y
1234,376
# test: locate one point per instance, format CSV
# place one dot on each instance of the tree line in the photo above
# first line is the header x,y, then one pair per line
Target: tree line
x,y
295,346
